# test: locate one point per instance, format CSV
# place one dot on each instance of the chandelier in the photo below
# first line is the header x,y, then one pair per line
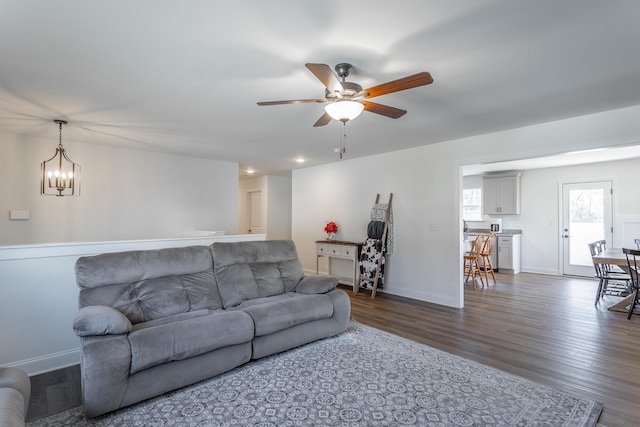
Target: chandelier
x,y
59,176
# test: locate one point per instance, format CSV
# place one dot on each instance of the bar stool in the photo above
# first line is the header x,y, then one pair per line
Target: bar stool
x,y
485,255
471,261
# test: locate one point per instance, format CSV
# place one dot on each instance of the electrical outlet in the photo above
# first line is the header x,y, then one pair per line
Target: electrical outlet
x,y
16,215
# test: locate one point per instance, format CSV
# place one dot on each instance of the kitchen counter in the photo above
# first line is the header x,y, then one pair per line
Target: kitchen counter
x,y
506,254
509,232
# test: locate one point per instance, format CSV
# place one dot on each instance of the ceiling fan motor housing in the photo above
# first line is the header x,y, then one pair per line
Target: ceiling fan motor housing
x,y
343,69
349,90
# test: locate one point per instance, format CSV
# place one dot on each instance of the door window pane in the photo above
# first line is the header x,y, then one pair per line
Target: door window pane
x,y
586,223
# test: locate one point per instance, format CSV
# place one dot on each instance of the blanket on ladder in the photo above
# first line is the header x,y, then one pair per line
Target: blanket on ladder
x,y
369,257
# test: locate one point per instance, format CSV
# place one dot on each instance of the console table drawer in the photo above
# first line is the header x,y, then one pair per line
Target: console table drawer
x,y
337,250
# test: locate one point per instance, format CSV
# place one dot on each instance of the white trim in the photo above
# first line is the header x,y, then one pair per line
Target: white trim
x,y
48,362
50,250
422,296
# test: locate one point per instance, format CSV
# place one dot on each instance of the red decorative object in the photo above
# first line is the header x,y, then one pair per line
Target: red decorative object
x,y
331,229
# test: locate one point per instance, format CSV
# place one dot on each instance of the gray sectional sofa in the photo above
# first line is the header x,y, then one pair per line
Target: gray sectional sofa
x,y
156,320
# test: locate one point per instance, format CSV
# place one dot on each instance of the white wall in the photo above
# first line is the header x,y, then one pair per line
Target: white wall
x,y
125,194
541,210
276,205
427,182
422,197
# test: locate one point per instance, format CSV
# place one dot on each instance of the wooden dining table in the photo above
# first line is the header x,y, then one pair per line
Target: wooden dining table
x,y
615,256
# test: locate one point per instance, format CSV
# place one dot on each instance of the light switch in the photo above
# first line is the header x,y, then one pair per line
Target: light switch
x,y
16,215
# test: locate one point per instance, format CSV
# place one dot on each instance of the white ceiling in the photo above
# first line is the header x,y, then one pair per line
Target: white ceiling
x,y
184,77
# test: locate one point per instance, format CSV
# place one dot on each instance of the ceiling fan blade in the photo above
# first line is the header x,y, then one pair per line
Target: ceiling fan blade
x,y
323,121
293,101
325,75
384,110
404,83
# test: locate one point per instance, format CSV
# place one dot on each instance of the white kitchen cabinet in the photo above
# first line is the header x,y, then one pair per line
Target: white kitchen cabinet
x,y
509,254
501,195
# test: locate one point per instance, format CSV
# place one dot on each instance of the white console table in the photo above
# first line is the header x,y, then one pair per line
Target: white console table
x,y
343,250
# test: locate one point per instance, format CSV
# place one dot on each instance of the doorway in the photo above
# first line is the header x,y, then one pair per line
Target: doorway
x,y
254,210
587,212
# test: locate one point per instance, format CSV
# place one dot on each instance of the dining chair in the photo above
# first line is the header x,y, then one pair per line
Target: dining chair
x,y
634,271
472,261
485,256
609,282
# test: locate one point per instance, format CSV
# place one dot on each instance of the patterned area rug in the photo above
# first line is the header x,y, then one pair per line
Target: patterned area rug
x,y
363,377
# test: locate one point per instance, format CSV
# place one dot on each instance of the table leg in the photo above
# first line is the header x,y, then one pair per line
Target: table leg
x,y
356,276
622,305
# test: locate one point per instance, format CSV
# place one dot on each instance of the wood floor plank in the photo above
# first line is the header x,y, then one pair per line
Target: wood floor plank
x,y
544,328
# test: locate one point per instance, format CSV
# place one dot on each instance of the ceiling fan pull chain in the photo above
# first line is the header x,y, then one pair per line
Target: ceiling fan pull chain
x,y
343,137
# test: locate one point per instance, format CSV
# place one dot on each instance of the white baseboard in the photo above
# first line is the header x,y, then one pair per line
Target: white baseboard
x,y
48,362
404,292
421,296
547,271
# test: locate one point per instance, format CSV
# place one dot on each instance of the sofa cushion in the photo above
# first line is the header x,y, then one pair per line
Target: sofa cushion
x,y
283,312
146,285
171,319
166,342
131,266
257,301
256,269
161,297
316,285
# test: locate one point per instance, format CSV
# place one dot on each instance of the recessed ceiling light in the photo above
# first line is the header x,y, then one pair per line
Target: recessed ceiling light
x,y
300,160
250,171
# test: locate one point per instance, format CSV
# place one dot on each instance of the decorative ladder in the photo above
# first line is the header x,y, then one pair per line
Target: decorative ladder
x,y
375,278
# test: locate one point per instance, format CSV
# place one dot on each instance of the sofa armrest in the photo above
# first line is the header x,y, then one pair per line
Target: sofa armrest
x,y
100,320
316,285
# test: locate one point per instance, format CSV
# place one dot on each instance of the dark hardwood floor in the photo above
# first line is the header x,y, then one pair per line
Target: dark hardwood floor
x,y
544,328
54,392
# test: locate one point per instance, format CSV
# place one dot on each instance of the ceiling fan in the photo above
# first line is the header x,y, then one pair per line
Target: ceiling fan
x,y
346,100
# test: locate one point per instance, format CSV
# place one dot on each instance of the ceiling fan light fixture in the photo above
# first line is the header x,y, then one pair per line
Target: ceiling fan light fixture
x,y
344,110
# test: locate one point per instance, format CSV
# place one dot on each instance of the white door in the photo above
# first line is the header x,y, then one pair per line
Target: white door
x,y
254,208
586,215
